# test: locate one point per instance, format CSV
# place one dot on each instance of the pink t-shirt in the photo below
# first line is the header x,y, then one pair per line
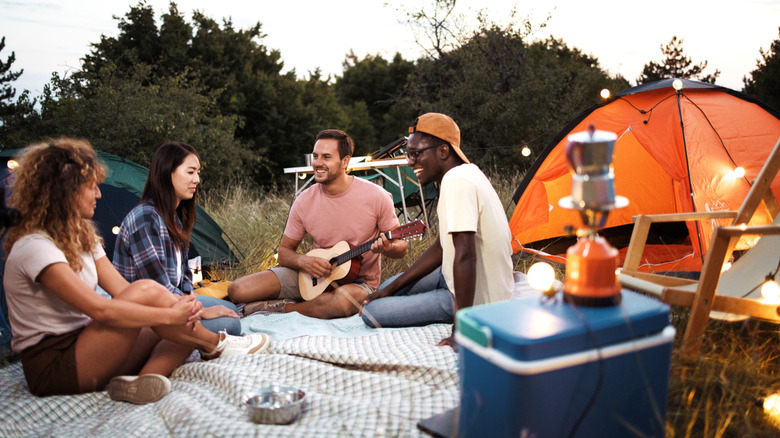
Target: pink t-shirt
x,y
357,216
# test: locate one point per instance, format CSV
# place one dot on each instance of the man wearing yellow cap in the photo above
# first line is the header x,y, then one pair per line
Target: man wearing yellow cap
x,y
470,263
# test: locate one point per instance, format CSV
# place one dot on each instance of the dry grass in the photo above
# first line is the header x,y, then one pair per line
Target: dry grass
x,y
715,396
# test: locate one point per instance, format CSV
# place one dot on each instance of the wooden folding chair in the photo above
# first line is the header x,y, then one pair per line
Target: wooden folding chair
x,y
734,292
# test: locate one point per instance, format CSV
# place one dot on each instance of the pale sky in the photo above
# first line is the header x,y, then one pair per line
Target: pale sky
x,y
52,35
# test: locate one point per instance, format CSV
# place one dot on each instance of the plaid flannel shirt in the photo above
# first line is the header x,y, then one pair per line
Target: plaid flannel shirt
x,y
144,249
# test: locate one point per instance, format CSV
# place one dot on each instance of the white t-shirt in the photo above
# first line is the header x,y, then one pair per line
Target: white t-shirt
x,y
33,311
468,203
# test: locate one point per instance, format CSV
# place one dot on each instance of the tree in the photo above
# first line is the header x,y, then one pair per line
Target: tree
x,y
764,81
675,65
127,118
18,120
277,114
374,85
505,92
437,26
7,92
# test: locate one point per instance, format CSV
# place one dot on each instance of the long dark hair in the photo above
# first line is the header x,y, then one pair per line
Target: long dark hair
x,y
159,190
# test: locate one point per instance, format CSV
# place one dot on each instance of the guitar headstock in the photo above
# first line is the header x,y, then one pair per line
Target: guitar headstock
x,y
414,228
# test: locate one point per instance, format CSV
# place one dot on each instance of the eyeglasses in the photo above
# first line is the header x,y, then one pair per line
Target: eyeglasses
x,y
412,155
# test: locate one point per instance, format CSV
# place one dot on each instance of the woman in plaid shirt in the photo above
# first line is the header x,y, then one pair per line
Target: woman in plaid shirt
x,y
72,339
154,238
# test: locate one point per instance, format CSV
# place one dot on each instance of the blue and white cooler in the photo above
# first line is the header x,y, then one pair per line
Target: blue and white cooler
x,y
543,368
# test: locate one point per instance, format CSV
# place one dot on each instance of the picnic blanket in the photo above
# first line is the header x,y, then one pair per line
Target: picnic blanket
x,y
376,385
358,382
283,326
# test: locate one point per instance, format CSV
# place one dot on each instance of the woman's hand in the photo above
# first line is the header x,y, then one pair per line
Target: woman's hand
x,y
218,312
189,310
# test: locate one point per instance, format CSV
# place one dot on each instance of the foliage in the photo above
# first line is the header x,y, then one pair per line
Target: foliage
x,y
7,92
373,85
277,115
675,65
14,116
764,81
505,92
121,115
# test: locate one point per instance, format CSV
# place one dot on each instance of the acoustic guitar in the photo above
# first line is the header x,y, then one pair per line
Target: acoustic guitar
x,y
342,257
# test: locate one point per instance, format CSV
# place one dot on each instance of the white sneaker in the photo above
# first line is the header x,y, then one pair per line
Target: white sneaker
x,y
140,390
237,345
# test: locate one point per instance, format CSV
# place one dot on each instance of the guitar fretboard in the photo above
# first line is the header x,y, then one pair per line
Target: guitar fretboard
x,y
354,252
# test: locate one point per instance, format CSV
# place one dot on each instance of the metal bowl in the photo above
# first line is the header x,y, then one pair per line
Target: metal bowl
x,y
275,404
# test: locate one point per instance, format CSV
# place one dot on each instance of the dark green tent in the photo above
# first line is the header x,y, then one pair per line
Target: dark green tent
x,y
206,238
121,192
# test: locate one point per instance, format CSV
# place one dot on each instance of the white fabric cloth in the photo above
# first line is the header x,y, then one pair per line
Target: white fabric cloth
x,y
468,203
35,312
367,386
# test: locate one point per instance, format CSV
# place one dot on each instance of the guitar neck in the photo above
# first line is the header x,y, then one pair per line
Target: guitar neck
x,y
408,230
355,252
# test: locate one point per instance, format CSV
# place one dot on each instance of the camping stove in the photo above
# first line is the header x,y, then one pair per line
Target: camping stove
x,y
591,263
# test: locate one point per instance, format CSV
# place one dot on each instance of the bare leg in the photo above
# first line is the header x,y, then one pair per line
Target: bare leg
x,y
345,301
165,358
104,351
254,287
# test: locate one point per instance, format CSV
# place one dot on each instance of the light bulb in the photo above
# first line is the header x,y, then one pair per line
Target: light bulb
x,y
541,276
739,172
677,84
726,267
772,405
12,164
526,151
605,94
276,255
302,176
770,291
115,230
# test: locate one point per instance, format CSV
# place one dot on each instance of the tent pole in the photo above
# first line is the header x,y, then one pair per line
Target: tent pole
x,y
688,170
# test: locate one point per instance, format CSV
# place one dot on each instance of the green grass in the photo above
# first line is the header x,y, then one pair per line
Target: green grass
x,y
714,396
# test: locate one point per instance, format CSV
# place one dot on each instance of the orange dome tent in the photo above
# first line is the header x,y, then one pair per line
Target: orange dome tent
x,y
676,152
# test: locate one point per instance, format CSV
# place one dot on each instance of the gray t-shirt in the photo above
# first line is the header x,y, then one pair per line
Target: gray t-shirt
x,y
35,312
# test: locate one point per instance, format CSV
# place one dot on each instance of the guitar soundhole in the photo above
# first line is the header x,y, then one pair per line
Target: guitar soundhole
x,y
313,281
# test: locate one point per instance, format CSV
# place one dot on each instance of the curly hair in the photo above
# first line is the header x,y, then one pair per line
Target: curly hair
x,y
46,190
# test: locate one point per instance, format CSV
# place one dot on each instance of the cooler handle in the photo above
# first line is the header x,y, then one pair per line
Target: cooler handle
x,y
473,330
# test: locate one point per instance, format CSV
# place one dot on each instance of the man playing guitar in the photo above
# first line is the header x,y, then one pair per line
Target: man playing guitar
x,y
338,208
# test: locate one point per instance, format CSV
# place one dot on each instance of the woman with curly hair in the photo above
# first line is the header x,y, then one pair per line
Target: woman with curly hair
x,y
154,237
72,339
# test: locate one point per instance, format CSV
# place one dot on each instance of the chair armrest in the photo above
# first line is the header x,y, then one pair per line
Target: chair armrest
x,y
636,245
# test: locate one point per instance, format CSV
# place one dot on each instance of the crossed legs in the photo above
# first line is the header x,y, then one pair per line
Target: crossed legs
x,y
104,351
266,285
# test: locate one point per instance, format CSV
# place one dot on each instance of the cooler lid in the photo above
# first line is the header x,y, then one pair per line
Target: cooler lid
x,y
531,328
